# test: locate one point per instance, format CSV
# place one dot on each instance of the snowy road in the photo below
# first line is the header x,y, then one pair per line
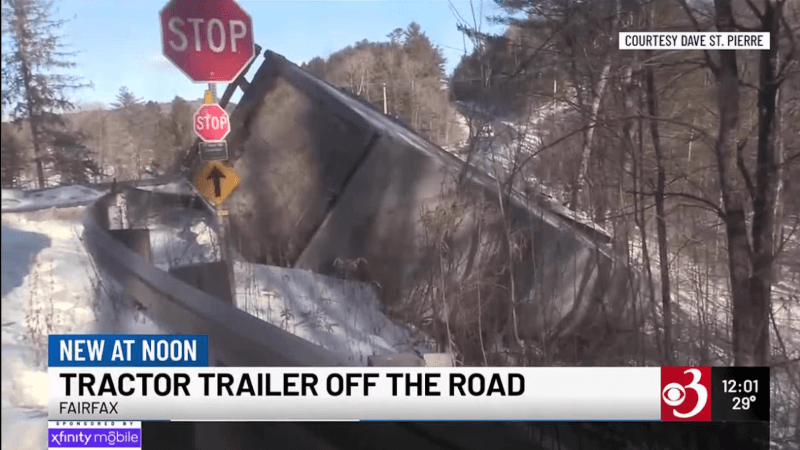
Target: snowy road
x,y
19,246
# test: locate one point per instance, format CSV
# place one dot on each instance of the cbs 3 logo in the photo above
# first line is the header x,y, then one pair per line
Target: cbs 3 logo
x,y
674,394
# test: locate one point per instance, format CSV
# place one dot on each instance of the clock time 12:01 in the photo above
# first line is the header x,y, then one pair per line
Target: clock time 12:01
x,y
743,387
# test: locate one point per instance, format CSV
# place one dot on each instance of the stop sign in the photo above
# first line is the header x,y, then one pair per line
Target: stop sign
x,y
211,41
211,123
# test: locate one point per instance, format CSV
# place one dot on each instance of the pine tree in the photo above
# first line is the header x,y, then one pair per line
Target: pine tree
x,y
126,99
180,124
135,140
409,67
73,161
32,91
13,156
396,36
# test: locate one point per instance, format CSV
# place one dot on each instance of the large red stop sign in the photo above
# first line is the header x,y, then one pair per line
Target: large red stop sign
x,y
211,123
211,41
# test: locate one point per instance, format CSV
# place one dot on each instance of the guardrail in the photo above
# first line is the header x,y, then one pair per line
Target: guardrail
x,y
236,338
155,181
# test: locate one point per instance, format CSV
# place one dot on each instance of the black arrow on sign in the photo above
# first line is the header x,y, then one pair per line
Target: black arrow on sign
x,y
216,175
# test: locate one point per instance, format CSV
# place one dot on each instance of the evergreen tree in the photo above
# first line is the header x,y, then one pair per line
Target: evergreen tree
x,y
180,123
136,140
396,36
13,156
32,90
126,99
72,159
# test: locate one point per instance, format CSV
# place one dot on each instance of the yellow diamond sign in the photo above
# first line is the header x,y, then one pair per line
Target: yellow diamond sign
x,y
217,181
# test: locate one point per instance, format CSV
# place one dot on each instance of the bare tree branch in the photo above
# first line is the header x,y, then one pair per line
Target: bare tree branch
x,y
710,206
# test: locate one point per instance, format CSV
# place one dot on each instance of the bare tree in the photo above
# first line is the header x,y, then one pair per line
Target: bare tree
x,y
752,344
750,265
596,95
659,197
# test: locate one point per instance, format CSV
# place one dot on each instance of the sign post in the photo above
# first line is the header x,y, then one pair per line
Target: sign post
x,y
222,179
211,41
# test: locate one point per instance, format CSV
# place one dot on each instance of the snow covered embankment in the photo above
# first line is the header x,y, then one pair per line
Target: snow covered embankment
x,y
47,289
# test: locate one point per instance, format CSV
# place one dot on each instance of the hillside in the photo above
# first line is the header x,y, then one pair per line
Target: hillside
x,y
97,143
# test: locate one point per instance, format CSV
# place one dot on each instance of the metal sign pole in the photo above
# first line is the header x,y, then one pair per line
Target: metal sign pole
x,y
223,220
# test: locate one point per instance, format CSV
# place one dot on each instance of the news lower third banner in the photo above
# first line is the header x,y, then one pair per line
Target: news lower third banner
x,y
113,378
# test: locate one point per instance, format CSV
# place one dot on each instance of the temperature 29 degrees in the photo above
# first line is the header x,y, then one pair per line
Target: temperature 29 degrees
x,y
740,394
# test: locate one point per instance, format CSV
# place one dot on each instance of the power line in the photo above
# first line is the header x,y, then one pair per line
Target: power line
x,y
460,50
448,81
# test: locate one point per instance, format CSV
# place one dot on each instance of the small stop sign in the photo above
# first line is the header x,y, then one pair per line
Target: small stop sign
x,y
211,41
211,123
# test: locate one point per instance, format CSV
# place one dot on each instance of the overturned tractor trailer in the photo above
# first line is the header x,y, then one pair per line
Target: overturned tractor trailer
x,y
328,181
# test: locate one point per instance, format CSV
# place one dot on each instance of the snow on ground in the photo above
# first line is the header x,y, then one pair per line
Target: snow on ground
x,y
19,200
699,293
73,195
46,289
701,318
183,237
175,187
48,286
340,315
511,141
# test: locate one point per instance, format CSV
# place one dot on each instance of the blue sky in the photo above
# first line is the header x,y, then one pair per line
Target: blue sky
x,y
119,41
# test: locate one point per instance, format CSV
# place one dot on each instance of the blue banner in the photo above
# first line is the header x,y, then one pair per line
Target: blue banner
x,y
127,350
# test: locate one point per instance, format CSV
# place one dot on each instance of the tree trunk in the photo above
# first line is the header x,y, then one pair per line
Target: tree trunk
x,y
780,148
37,150
641,222
103,140
368,83
754,345
733,193
586,151
33,120
624,243
661,224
